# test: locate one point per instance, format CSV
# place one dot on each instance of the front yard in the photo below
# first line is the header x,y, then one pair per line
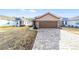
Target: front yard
x,y
16,38
21,38
73,30
69,38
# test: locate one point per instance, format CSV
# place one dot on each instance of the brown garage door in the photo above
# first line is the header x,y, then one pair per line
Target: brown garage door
x,y
47,24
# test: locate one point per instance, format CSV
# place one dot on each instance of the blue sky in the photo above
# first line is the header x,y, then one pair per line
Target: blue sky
x,y
37,12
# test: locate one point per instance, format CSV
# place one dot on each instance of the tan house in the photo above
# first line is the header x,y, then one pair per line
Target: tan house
x,y
47,20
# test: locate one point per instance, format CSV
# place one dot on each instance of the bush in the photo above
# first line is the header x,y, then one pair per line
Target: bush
x,y
30,25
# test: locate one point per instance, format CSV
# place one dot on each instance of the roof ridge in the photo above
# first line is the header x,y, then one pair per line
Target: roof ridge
x,y
46,14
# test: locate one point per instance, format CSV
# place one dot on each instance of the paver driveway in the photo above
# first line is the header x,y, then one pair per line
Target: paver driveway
x,y
47,39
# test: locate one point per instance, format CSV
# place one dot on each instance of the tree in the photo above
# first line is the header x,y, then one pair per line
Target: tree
x,y
30,19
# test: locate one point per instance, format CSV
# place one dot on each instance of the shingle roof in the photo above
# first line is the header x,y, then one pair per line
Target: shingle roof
x,y
47,14
74,18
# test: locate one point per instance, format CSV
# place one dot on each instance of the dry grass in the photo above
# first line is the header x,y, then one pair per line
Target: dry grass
x,y
73,30
7,26
17,38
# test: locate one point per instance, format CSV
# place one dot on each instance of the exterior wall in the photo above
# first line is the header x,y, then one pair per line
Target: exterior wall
x,y
59,23
73,23
37,24
27,22
48,18
22,23
7,23
65,23
18,23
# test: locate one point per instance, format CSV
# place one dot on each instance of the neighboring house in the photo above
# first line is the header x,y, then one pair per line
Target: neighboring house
x,y
64,21
17,22
14,21
7,21
47,20
26,21
72,22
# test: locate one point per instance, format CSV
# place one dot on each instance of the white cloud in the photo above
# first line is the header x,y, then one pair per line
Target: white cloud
x,y
32,10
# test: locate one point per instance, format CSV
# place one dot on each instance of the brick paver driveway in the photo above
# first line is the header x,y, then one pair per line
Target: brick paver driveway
x,y
47,39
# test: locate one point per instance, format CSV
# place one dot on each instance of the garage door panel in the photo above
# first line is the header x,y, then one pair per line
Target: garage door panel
x,y
48,24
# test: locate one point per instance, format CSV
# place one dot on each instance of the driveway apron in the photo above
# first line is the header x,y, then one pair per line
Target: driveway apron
x,y
47,39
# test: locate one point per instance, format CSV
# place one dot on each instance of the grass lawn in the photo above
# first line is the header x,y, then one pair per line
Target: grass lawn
x,y
16,38
73,30
7,28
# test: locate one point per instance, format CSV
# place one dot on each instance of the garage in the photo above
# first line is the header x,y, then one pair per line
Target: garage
x,y
47,20
48,24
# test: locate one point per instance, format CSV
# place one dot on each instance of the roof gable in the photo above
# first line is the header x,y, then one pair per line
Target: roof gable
x,y
47,14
